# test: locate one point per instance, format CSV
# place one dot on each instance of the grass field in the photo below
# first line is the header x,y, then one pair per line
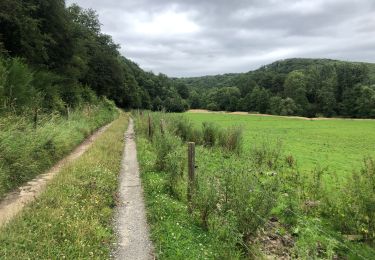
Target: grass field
x,y
250,198
340,145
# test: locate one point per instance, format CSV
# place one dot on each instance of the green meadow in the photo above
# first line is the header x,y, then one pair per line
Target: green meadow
x,y
306,185
338,145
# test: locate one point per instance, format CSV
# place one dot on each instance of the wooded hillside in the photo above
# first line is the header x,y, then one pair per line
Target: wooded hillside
x,y
53,56
307,87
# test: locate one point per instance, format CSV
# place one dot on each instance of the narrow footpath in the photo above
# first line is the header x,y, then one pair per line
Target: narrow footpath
x,y
130,222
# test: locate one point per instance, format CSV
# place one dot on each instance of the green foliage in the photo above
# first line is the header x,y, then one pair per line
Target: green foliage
x,y
318,206
3,77
27,152
174,232
306,87
163,146
210,133
68,50
18,90
231,139
219,189
312,244
295,88
355,210
81,197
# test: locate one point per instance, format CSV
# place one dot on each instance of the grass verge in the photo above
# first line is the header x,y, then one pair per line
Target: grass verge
x,y
72,218
26,151
176,235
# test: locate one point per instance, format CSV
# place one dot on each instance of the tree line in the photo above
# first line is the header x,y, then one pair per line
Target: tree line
x,y
306,87
53,56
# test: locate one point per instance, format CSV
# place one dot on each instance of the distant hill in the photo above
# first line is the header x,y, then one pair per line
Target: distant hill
x,y
281,66
298,86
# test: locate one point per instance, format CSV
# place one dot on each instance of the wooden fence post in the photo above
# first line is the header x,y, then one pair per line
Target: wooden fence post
x,y
67,112
162,130
191,175
36,118
149,126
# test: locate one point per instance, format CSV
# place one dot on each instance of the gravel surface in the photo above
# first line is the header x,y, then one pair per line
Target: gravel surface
x,y
130,222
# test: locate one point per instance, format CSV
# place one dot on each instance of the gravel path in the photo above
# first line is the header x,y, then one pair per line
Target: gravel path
x,y
15,201
133,237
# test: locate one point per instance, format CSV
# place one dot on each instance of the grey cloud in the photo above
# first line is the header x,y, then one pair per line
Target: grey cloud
x,y
195,37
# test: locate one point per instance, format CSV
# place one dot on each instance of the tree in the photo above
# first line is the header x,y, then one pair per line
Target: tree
x,y
3,77
288,107
18,90
157,104
20,31
257,100
182,90
275,105
295,88
365,102
195,100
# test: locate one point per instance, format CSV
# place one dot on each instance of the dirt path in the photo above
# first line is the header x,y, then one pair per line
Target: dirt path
x,y
15,201
131,225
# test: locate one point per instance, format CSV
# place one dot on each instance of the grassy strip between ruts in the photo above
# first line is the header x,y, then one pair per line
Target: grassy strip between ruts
x,y
72,218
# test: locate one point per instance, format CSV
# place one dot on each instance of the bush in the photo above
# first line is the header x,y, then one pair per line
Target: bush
x,y
183,128
311,243
267,155
210,133
175,168
18,90
356,207
231,139
164,145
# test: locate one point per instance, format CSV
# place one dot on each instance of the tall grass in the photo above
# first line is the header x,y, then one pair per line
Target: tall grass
x,y
238,192
72,219
26,151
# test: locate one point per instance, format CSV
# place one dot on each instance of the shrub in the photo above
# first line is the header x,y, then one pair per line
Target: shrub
x,y
231,139
175,168
164,145
183,128
311,243
18,90
3,76
224,229
267,155
210,133
357,209
252,201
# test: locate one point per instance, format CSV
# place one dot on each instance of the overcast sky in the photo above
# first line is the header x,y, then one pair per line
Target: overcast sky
x,y
200,37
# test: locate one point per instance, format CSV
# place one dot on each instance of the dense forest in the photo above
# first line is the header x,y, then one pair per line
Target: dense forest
x,y
53,57
307,87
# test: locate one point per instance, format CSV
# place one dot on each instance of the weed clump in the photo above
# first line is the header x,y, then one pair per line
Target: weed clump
x,y
164,145
210,133
231,139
